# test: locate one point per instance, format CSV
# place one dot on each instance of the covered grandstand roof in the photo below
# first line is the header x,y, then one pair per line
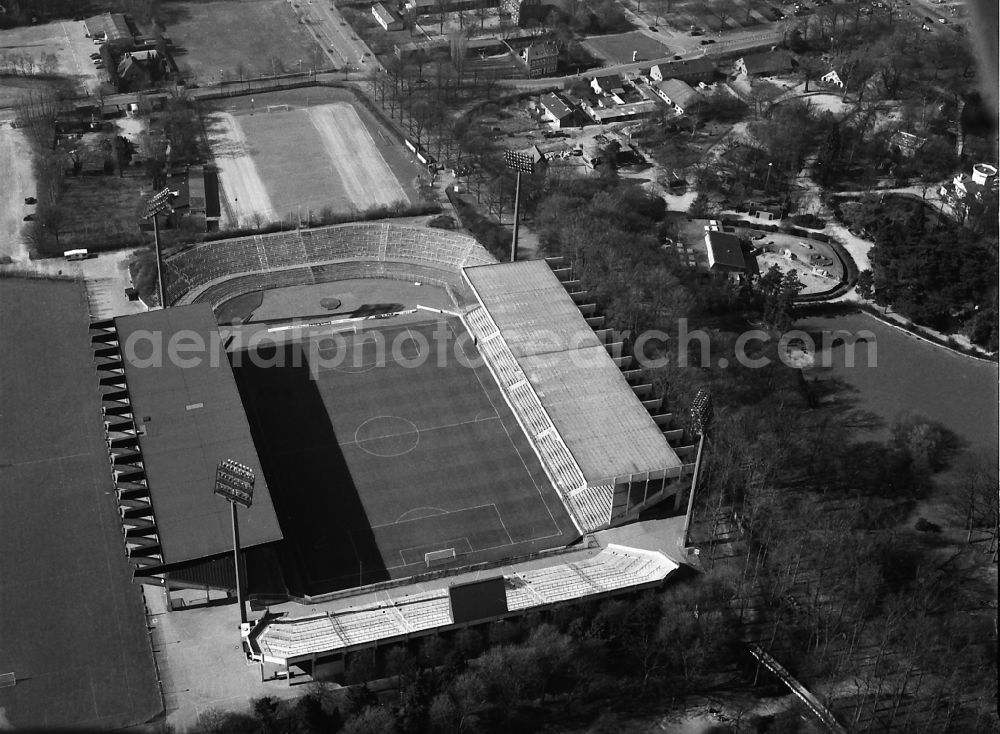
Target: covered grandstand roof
x,y
189,416
603,424
403,612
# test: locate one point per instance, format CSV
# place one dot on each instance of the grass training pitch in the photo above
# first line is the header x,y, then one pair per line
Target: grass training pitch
x,y
228,40
618,48
375,462
293,161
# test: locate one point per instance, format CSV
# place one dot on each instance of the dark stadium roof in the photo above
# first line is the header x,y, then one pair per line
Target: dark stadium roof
x,y
192,417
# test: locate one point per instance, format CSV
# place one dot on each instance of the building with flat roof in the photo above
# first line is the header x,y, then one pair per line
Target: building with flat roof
x,y
172,414
386,18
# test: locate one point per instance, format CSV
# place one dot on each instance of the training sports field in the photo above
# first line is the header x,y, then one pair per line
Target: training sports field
x,y
72,623
378,456
280,161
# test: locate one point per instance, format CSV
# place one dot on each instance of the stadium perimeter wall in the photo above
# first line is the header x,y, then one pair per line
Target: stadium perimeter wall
x,y
216,271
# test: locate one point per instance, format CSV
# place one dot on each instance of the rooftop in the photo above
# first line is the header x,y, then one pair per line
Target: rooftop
x,y
725,251
603,424
555,105
767,62
679,92
190,416
400,612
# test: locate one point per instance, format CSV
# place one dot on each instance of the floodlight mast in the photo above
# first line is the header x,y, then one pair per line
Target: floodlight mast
x,y
234,481
701,416
522,163
157,204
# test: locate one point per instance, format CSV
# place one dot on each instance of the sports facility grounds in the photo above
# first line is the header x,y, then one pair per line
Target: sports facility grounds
x,y
389,455
286,157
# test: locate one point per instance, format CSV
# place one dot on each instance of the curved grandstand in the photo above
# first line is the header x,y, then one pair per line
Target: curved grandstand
x,y
214,272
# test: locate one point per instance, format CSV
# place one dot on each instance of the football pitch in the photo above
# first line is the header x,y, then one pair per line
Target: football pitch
x,y
391,452
281,161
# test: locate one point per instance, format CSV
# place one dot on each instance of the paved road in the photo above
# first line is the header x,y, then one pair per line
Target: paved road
x,y
340,42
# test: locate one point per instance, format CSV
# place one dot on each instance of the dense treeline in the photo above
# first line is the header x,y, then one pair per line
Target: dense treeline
x,y
932,272
804,514
582,660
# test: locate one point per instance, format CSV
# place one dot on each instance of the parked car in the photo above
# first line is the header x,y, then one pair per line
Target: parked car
x,y
696,33
707,41
654,28
942,20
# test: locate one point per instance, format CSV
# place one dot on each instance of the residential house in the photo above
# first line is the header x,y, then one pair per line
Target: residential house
x,y
611,84
832,78
132,75
726,256
558,111
691,71
765,63
964,187
541,58
386,18
677,94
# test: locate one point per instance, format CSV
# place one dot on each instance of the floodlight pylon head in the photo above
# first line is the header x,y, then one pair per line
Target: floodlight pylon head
x,y
158,203
519,161
701,412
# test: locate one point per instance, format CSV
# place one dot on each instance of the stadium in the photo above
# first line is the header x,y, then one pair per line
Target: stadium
x,y
438,439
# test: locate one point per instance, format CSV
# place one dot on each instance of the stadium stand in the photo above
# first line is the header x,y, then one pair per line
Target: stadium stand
x,y
216,271
558,462
611,570
593,504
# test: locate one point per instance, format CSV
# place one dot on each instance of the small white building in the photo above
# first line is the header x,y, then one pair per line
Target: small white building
x,y
832,78
386,18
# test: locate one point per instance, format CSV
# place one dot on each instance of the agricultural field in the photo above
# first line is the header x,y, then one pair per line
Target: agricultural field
x,y
229,40
284,161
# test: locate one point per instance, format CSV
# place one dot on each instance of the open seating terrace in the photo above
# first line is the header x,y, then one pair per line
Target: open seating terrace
x,y
404,612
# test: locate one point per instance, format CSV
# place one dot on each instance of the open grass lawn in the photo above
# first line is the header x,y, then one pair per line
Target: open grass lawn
x,y
100,212
227,37
618,48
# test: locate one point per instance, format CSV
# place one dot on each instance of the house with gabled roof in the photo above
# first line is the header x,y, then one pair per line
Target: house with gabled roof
x,y
558,111
677,94
765,63
691,71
